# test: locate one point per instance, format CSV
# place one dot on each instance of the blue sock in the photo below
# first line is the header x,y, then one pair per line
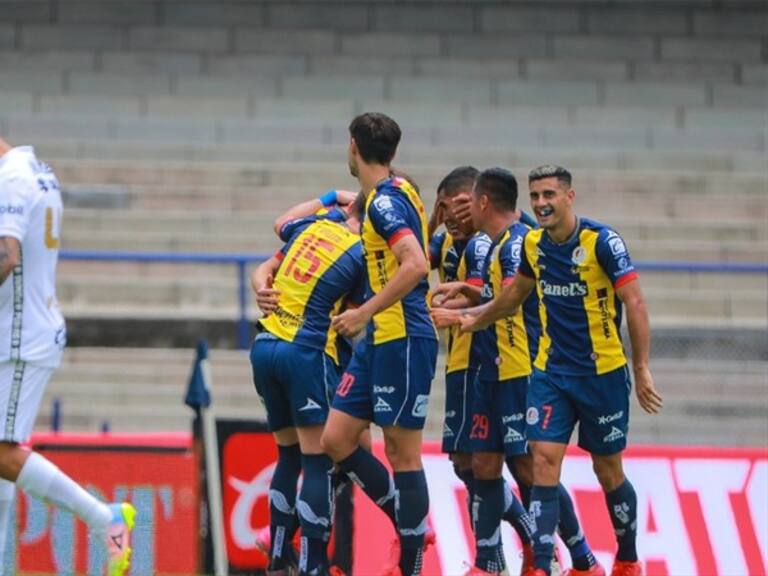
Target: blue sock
x,y
515,514
364,469
314,507
468,478
412,513
488,506
545,513
570,531
622,506
282,502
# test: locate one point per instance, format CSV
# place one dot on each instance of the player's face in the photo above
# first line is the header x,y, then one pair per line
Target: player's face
x,y
460,230
352,159
551,202
477,208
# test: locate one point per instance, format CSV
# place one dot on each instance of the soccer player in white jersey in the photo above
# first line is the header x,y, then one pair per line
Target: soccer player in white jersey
x,y
32,339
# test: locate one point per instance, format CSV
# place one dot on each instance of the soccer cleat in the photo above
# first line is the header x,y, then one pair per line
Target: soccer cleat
x,y
594,570
119,538
527,566
394,550
624,568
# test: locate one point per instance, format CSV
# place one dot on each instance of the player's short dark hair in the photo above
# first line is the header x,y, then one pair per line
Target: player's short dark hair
x,y
457,180
550,171
500,186
376,136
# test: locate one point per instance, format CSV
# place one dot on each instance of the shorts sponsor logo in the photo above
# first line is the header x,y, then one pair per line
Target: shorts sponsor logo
x,y
613,435
512,436
383,389
610,417
571,289
420,406
450,414
382,406
447,432
531,416
512,418
310,405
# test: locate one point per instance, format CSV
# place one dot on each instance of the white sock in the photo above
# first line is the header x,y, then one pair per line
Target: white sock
x,y
6,500
43,480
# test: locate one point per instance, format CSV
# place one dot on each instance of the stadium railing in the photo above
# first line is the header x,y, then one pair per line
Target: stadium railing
x,y
242,261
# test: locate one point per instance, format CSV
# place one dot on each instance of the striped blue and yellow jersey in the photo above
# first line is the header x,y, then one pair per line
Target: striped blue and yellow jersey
x,y
580,312
445,254
394,209
506,347
321,266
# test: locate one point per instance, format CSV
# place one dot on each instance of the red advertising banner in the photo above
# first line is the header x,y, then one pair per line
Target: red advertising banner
x,y
701,511
157,473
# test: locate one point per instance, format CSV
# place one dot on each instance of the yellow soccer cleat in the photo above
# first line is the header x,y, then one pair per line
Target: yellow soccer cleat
x,y
119,538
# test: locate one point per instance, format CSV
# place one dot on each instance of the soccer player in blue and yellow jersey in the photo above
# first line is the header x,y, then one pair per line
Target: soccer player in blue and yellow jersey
x,y
296,368
389,377
582,273
458,255
504,348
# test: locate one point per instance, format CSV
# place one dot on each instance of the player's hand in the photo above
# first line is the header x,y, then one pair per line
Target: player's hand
x,y
350,322
469,324
267,297
460,206
444,317
344,197
446,291
650,400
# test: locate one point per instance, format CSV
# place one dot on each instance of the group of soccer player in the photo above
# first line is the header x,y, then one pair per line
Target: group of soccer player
x,y
524,366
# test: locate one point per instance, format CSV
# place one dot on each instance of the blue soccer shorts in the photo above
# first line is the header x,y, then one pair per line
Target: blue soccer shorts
x,y
389,383
498,416
295,382
599,404
459,391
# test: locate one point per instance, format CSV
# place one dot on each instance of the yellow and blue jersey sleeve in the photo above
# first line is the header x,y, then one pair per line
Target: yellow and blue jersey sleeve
x,y
293,227
580,312
321,266
462,353
393,211
505,346
436,250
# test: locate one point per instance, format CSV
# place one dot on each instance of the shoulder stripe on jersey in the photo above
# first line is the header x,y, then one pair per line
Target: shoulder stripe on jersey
x,y
626,279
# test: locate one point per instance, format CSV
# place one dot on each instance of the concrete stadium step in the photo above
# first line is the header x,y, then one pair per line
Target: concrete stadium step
x,y
719,402
254,223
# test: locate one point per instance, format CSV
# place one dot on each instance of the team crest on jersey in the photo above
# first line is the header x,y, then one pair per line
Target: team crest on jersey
x,y
579,255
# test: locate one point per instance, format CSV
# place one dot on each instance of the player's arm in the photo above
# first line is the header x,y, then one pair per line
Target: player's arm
x,y
310,207
457,294
412,268
513,294
10,256
261,282
640,336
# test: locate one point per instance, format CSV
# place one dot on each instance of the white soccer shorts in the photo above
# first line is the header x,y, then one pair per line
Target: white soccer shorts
x,y
22,386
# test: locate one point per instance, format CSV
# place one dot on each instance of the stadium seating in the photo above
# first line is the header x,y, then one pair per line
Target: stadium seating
x,y
187,126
